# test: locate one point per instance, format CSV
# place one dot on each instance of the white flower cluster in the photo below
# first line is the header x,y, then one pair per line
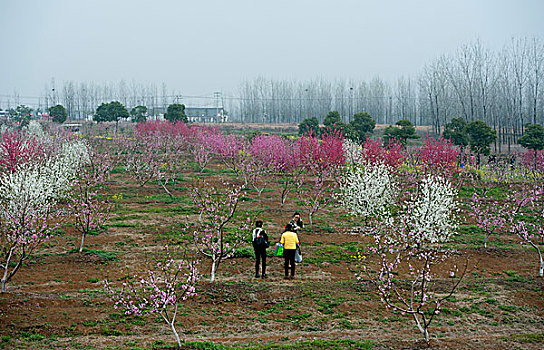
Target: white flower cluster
x,y
431,212
352,151
368,190
40,186
34,129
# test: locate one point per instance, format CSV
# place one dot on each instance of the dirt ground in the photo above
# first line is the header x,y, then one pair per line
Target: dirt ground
x,y
58,300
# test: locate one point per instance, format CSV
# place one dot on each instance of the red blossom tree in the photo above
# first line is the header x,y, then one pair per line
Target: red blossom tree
x,y
16,150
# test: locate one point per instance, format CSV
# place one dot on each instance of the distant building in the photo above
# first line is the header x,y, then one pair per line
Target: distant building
x,y
194,114
206,114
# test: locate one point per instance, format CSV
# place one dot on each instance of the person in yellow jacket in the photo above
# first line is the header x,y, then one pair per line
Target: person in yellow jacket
x,y
289,239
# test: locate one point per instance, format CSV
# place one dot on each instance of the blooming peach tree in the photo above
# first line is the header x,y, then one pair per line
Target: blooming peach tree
x,y
159,290
28,198
417,293
525,208
412,239
368,190
16,150
489,215
431,211
216,235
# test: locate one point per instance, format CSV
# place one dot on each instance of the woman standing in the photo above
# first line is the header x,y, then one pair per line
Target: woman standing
x,y
260,243
289,239
296,222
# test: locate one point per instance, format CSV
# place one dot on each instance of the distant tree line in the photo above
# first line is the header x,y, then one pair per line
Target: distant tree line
x,y
503,88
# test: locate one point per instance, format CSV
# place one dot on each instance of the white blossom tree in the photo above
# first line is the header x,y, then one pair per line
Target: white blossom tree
x,y
368,190
27,198
431,211
428,216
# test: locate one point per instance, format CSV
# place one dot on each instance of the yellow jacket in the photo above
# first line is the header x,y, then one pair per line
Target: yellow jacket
x,y
289,240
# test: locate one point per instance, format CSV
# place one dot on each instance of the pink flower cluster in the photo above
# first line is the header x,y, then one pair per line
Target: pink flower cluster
x,y
16,149
392,154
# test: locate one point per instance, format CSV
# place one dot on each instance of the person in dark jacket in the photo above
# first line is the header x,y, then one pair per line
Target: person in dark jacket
x,y
296,222
260,243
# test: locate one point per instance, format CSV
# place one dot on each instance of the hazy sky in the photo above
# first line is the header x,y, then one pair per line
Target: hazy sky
x,y
200,46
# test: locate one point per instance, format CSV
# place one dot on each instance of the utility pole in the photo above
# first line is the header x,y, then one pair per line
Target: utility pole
x,y
350,103
390,108
217,96
54,95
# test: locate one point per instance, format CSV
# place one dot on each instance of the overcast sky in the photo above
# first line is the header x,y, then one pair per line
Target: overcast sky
x,y
200,46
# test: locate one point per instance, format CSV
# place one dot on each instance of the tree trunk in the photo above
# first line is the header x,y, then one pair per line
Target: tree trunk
x,y
541,267
212,274
173,328
541,261
5,277
421,327
165,189
82,242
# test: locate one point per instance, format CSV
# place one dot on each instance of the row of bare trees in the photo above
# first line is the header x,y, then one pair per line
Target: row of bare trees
x,y
504,89
81,99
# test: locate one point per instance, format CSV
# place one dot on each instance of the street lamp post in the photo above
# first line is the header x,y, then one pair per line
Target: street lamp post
x,y
309,102
350,103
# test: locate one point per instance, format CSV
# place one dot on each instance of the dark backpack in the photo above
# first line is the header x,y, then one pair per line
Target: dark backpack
x,y
260,241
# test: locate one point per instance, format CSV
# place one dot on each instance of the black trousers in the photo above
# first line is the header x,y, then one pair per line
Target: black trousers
x,y
289,256
260,254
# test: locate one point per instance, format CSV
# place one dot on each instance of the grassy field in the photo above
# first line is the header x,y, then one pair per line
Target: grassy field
x,y
58,299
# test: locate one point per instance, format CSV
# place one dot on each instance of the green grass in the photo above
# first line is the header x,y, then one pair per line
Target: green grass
x,y
526,337
121,224
245,252
332,254
340,344
170,210
101,254
31,336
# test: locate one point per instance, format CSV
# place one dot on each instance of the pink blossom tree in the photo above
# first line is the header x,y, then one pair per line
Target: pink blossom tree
x,y
16,150
231,149
526,218
139,158
533,159
416,293
160,290
21,232
316,191
322,162
438,156
320,154
217,215
258,175
287,167
85,204
149,158
201,148
392,154
488,214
